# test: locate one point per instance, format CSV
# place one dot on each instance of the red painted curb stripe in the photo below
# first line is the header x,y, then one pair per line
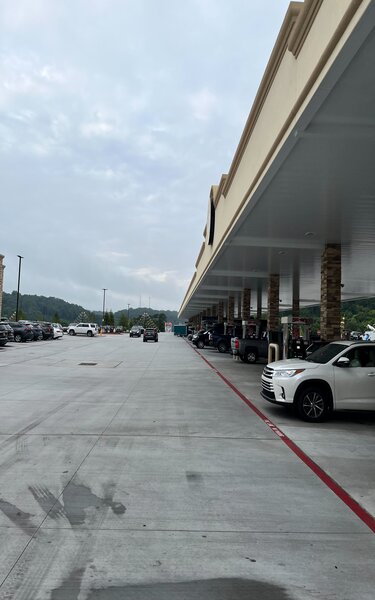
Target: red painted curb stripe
x,y
354,506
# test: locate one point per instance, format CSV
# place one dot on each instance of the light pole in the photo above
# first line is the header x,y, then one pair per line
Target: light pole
x,y
104,291
18,286
128,315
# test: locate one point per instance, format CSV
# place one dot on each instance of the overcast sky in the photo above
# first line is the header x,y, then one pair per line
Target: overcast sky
x,y
116,117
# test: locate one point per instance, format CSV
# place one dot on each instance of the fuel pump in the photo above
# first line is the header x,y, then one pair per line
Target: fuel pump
x,y
296,336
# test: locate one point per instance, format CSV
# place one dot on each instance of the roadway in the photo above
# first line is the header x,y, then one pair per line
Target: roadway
x,y
132,470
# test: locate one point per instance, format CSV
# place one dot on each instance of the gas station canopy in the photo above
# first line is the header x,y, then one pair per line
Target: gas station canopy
x,y
303,175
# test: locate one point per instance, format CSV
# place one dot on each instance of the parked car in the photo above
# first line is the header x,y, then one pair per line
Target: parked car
x,y
150,333
10,332
135,331
222,341
57,331
3,334
340,375
47,330
89,329
37,331
23,332
201,338
254,345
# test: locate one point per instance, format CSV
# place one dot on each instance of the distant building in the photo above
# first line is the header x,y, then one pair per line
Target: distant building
x,y
2,267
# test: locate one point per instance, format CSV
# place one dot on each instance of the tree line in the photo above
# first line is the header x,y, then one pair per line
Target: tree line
x,y
56,310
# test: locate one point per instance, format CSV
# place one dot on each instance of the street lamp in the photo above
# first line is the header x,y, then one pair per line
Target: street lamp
x,y
128,313
18,286
104,291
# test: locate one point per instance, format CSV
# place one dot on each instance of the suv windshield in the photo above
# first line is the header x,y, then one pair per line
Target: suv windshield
x,y
326,353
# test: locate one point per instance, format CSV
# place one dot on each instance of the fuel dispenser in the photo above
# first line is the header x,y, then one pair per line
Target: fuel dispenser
x,y
296,336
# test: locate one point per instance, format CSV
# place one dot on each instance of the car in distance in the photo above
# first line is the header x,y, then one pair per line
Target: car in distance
x,y
37,331
150,333
23,332
338,376
135,331
10,332
3,334
57,331
47,330
88,329
201,338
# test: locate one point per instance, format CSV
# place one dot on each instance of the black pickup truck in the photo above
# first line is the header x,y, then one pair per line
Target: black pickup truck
x,y
222,341
255,344
250,350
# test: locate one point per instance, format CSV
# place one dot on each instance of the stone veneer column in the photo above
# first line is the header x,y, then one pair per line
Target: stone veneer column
x,y
230,313
238,307
330,293
295,303
273,302
220,312
246,302
2,267
259,303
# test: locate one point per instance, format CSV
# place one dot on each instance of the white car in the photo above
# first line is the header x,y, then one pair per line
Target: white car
x,y
89,329
57,331
340,375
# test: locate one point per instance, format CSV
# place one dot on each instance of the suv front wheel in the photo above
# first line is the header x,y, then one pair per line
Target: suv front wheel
x,y
71,332
312,404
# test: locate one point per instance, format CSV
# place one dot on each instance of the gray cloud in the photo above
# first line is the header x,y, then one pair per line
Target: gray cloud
x,y
116,117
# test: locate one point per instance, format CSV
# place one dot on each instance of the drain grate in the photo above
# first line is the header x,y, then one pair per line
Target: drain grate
x,y
88,364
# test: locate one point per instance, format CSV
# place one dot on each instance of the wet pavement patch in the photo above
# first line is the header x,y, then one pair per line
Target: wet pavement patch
x,y
194,478
21,519
77,498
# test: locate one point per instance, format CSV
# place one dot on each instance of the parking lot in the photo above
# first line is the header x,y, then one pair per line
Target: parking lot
x,y
139,471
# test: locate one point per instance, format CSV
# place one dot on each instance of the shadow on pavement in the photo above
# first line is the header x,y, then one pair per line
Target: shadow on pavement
x,y
209,589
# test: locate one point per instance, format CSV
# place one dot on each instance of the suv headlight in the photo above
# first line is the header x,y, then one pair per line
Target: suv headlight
x,y
288,372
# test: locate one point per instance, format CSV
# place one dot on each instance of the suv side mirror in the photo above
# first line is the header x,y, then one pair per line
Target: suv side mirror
x,y
343,361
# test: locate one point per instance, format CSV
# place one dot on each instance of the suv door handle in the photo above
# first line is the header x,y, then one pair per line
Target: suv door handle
x,y
370,374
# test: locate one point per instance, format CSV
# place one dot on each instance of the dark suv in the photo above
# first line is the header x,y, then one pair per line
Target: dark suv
x,y
22,331
37,331
47,330
135,331
10,331
3,334
150,333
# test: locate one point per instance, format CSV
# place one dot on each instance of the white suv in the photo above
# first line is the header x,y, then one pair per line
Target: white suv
x,y
340,375
89,329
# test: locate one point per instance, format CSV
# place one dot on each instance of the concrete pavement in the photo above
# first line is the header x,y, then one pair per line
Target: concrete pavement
x,y
132,471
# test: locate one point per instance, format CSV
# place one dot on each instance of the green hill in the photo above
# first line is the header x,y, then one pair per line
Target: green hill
x,y
43,308
356,314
